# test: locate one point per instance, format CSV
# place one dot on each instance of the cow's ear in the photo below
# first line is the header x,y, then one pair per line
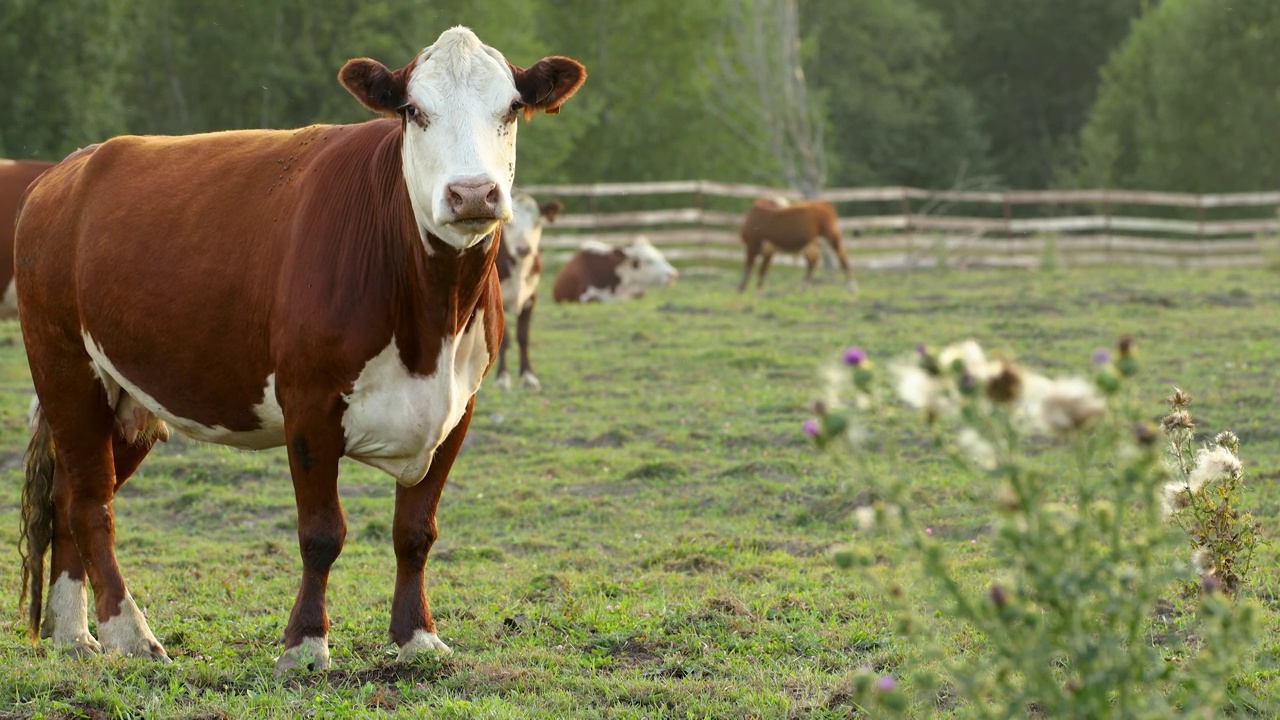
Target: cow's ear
x,y
550,209
546,84
376,87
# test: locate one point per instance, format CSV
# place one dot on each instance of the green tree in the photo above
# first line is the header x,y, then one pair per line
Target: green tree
x,y
1190,101
894,117
63,65
1032,66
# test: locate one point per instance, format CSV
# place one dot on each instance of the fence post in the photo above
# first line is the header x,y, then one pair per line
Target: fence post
x,y
1007,208
1106,226
905,206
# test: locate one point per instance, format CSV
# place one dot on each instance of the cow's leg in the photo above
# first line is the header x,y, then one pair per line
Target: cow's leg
x,y
84,480
315,444
834,240
66,619
413,533
527,378
501,378
752,252
811,252
765,259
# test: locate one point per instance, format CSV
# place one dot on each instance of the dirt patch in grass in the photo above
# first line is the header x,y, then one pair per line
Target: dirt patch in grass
x,y
694,564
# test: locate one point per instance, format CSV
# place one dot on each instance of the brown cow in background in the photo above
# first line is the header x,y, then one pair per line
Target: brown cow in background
x,y
15,176
777,225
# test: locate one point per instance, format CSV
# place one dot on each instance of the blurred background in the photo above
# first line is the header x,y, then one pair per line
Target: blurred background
x,y
1179,95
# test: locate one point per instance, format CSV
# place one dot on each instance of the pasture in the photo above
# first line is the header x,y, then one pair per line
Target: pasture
x,y
646,537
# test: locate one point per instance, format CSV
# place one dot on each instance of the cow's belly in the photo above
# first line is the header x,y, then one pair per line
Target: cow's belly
x,y
122,390
396,420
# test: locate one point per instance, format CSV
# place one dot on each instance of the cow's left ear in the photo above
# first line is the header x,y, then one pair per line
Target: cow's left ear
x,y
376,87
546,84
550,209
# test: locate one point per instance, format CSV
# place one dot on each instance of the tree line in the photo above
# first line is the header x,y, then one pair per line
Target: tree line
x,y
1168,95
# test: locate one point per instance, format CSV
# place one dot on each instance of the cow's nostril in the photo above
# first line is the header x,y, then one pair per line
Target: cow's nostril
x,y
492,197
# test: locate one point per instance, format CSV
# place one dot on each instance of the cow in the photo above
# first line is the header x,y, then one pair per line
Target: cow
x,y
778,225
519,270
329,289
15,176
598,272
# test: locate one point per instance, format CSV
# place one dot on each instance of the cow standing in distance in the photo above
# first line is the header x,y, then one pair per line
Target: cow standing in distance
x,y
775,225
520,270
602,273
330,289
15,176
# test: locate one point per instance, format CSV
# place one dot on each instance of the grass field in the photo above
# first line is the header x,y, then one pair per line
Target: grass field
x,y
648,536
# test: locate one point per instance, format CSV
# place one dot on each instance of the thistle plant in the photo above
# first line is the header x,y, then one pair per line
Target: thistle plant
x,y
1074,476
1204,498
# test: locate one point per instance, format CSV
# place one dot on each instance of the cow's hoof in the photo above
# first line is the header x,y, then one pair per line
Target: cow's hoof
x,y
503,382
307,656
422,642
147,651
82,647
530,381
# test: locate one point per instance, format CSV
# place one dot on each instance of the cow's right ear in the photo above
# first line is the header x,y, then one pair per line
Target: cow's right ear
x,y
550,209
546,84
376,87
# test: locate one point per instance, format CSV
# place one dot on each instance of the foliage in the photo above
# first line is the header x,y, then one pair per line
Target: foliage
x,y
1188,101
1031,67
1205,497
1082,552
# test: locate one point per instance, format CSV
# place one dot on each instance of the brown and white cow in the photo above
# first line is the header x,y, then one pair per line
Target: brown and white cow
x,y
15,176
602,273
330,289
520,269
775,225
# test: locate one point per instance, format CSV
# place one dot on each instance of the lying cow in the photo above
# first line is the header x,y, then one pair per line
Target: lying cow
x,y
520,269
776,225
329,289
15,176
601,273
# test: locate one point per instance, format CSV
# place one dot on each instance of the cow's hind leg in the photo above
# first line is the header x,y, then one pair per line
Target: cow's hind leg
x,y
315,445
527,378
810,253
86,457
66,620
413,533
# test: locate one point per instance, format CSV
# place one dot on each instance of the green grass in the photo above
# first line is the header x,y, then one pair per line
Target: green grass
x,y
648,536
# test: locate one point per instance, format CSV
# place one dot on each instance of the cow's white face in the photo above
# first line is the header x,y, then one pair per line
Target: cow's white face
x,y
645,267
458,101
523,234
459,150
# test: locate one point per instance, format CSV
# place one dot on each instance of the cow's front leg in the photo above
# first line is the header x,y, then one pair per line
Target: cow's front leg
x,y
527,378
314,451
413,532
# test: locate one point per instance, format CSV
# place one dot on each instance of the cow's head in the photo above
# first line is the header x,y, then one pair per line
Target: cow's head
x,y
523,233
459,100
644,267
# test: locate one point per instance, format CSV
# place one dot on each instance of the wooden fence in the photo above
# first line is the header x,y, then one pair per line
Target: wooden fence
x,y
897,227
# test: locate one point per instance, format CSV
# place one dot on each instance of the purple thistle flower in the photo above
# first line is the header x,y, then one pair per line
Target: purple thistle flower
x,y
854,355
811,427
1101,356
922,349
886,683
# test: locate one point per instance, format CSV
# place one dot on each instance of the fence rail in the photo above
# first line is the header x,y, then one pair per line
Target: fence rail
x,y
923,233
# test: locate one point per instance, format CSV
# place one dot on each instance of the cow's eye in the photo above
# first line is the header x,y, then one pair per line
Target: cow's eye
x,y
414,115
513,112
635,263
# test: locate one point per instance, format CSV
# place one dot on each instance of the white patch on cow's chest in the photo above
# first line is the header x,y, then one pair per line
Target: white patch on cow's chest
x,y
119,389
519,287
395,420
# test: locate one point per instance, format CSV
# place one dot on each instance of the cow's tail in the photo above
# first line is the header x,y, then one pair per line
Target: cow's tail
x,y
37,518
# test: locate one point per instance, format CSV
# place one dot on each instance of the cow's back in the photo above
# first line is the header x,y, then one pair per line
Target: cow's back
x,y
143,236
788,228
